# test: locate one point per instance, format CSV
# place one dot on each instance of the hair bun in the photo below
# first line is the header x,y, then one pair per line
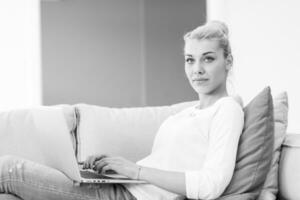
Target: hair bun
x,y
221,26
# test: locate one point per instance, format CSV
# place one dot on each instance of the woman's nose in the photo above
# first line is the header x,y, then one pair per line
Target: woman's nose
x,y
198,68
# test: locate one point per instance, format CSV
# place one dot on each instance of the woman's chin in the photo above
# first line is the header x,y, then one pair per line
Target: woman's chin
x,y
202,90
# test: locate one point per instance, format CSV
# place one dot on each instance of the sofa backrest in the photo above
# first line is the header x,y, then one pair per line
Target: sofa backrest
x,y
126,132
70,118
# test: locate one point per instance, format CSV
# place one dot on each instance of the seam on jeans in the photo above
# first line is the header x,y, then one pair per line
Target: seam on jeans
x,y
49,188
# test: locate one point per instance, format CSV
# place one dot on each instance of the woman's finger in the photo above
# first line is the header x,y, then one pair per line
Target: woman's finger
x,y
101,157
100,164
86,163
106,168
90,162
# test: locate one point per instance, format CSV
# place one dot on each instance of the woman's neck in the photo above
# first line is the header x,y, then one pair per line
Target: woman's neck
x,y
208,100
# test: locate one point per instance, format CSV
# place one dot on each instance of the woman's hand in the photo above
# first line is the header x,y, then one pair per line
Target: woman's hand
x,y
89,163
169,180
119,165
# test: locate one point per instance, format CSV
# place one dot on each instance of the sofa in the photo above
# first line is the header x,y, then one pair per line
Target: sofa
x,y
129,132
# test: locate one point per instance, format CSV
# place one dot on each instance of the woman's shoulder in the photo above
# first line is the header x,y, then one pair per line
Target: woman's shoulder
x,y
235,101
230,104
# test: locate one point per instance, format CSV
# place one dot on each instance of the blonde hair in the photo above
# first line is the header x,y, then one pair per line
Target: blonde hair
x,y
215,30
212,30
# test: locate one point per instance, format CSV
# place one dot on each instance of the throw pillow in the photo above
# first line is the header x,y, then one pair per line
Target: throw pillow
x,y
270,188
255,149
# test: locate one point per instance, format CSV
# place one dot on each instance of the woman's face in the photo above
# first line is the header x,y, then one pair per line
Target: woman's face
x,y
205,66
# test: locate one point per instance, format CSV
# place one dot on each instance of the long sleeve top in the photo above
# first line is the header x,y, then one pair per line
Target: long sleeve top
x,y
202,144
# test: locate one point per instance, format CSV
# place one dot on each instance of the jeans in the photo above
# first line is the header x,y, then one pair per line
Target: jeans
x,y
32,181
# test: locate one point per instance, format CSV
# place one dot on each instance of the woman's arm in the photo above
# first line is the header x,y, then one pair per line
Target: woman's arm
x,y
171,181
168,180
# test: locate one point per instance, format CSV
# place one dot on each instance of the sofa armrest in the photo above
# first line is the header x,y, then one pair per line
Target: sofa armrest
x,y
292,140
289,167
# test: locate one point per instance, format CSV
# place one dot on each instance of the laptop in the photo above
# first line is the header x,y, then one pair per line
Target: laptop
x,y
42,136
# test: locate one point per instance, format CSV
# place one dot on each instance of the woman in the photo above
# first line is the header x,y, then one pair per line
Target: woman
x,y
194,151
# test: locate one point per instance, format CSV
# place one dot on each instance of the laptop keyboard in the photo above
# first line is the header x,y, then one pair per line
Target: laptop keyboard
x,y
89,174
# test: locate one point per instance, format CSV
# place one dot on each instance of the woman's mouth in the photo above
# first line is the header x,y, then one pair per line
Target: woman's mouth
x,y
200,80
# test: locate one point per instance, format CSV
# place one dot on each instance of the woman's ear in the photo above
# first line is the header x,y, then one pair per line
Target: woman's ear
x,y
229,62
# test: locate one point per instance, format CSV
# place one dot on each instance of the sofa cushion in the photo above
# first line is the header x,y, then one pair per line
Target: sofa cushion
x,y
270,188
254,154
126,132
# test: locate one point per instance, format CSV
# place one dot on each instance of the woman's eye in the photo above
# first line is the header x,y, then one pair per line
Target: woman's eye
x,y
189,60
209,59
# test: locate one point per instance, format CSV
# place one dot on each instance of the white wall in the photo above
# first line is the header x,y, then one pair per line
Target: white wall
x,y
265,37
19,53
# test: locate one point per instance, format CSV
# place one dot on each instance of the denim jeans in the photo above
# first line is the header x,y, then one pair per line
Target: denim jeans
x,y
32,181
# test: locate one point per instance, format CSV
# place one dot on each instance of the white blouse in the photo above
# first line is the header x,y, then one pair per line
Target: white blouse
x,y
202,143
